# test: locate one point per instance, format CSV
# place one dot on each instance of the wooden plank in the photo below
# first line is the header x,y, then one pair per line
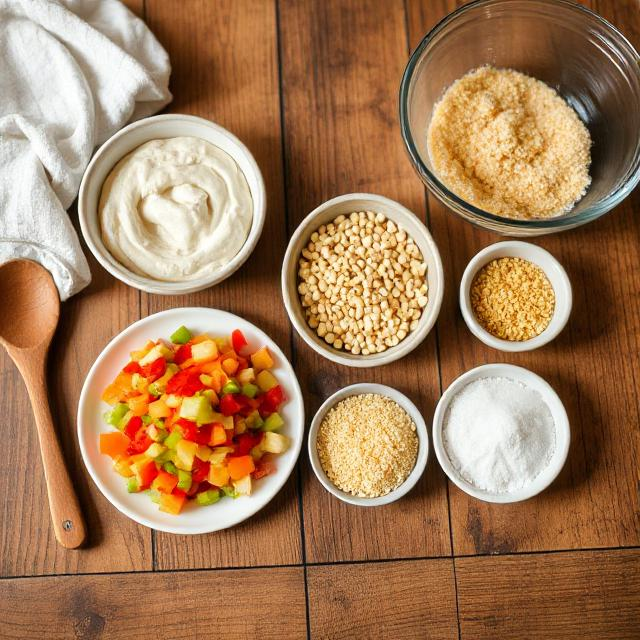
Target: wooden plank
x,y
137,6
560,595
409,599
594,366
341,64
217,75
257,603
88,322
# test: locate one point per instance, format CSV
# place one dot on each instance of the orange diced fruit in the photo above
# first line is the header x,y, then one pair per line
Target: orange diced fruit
x,y
218,435
114,444
139,405
262,359
240,467
164,482
159,409
229,366
170,503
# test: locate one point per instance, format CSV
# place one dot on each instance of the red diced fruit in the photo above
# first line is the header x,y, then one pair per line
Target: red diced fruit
x,y
246,441
185,383
238,341
182,354
133,367
133,426
155,370
271,400
229,405
200,470
188,429
264,467
203,436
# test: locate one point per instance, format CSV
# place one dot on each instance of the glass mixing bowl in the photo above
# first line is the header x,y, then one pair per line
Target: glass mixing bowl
x,y
578,53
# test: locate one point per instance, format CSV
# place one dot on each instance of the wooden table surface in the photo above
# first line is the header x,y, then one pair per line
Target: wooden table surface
x,y
311,87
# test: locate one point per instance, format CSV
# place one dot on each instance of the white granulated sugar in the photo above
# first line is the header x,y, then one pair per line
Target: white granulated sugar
x,y
499,434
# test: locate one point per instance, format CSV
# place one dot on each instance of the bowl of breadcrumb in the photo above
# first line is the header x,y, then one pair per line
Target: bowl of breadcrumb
x,y
362,280
516,114
368,445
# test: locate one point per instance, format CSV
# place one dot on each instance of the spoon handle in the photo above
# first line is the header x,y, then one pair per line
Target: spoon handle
x,y
68,523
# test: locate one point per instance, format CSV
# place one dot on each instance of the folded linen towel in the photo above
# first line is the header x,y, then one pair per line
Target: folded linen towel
x,y
72,72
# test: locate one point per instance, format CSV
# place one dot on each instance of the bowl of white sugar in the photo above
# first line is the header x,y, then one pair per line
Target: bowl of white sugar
x,y
501,433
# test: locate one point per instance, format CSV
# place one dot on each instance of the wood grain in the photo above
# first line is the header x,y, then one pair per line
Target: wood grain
x,y
594,366
341,64
409,599
560,595
257,603
224,58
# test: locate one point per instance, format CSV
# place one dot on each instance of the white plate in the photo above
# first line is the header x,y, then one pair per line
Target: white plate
x,y
138,506
551,398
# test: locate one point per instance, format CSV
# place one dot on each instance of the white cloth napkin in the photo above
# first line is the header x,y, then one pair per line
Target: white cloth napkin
x,y
72,72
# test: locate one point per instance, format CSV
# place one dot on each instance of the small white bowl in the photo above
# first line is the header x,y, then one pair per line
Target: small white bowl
x,y
421,431
532,380
130,138
343,205
553,270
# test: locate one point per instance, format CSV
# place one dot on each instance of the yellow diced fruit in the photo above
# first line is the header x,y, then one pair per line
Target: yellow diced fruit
x,y
155,450
274,442
243,486
159,351
186,452
172,401
230,366
203,453
219,454
266,380
257,452
225,421
246,376
240,426
139,383
206,380
136,356
204,351
262,359
218,475
121,466
159,409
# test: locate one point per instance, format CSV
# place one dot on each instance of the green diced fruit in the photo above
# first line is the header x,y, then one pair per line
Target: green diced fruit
x,y
273,422
155,450
206,498
197,409
172,439
116,414
230,492
165,456
184,480
254,420
231,387
132,485
181,335
154,389
146,419
249,390
157,433
274,442
169,467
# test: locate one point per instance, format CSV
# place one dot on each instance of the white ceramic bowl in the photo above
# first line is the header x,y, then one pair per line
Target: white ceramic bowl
x,y
553,270
323,214
128,139
421,430
532,380
138,506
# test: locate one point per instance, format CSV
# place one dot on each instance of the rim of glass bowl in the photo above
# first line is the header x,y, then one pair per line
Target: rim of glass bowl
x,y
467,210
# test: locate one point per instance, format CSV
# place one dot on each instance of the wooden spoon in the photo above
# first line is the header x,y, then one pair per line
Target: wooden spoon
x,y
28,318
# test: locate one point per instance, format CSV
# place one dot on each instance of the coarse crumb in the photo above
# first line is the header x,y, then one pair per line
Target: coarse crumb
x,y
512,299
510,145
367,445
362,283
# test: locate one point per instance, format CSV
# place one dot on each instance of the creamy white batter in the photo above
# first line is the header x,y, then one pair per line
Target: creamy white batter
x,y
175,209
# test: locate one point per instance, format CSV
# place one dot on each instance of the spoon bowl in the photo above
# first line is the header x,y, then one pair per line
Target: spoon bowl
x,y
28,319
